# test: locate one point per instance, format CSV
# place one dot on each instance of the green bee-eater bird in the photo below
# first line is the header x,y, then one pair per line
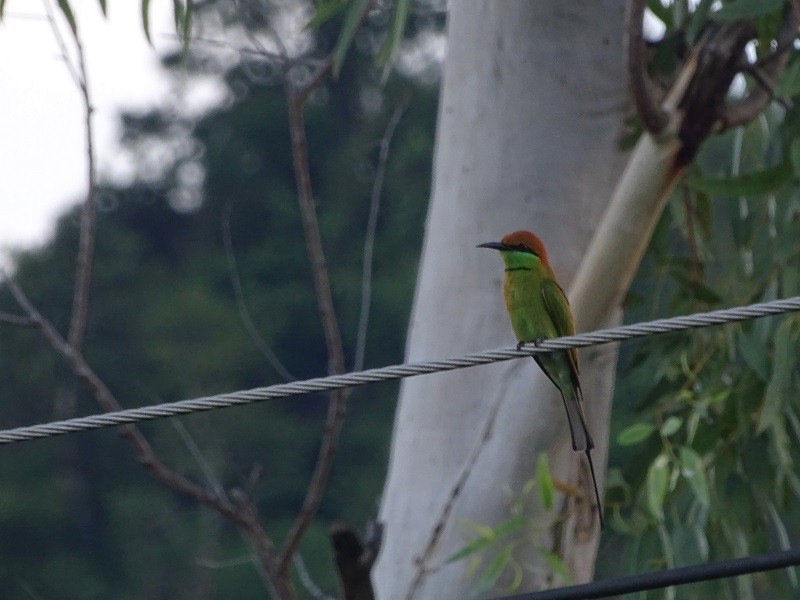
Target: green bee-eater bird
x,y
539,310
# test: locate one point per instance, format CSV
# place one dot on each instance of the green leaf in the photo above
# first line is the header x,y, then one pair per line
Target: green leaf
x,y
104,7
794,155
694,471
695,288
634,434
489,536
748,184
146,20
780,382
325,11
789,82
746,9
661,12
470,548
2,8
754,353
671,425
67,10
352,19
509,526
703,214
544,481
390,45
700,17
781,445
494,570
685,546
656,490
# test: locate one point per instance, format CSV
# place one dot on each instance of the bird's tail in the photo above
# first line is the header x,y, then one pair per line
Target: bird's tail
x,y
581,438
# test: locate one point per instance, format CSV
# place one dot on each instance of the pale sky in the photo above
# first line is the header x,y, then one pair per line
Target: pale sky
x,y
42,136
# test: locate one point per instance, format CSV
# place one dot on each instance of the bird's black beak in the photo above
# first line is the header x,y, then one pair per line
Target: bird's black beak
x,y
494,245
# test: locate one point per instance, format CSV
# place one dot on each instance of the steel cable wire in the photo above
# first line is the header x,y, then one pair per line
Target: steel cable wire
x,y
321,384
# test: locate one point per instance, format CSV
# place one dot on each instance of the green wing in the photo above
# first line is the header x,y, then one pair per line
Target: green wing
x,y
557,305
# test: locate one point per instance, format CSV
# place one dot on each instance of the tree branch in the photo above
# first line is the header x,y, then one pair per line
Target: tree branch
x,y
241,305
330,326
16,320
83,272
302,93
354,560
83,269
654,118
369,241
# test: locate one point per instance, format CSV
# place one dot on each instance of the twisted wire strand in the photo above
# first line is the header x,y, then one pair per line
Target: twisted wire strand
x,y
320,384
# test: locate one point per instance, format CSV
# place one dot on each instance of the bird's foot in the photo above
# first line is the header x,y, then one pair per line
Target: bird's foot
x,y
535,342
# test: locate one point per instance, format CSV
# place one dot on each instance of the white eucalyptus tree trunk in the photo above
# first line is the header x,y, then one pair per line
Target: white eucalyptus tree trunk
x,y
530,120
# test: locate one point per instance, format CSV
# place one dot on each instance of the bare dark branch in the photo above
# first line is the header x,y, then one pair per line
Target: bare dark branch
x,y
715,61
354,560
654,118
330,326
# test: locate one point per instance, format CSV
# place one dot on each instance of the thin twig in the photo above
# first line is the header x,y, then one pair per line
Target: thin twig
x,y
768,86
62,45
330,326
304,91
83,269
211,478
308,582
369,241
241,305
654,118
260,52
214,482
444,516
210,563
16,320
83,272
